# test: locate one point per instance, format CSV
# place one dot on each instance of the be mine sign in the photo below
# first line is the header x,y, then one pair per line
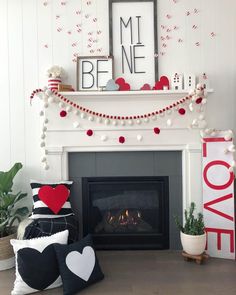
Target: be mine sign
x,y
134,42
218,198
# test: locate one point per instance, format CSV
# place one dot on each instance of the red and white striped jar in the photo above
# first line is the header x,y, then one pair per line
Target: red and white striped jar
x,y
53,83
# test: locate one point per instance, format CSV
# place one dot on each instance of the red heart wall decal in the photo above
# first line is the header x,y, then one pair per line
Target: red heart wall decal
x,y
164,81
54,198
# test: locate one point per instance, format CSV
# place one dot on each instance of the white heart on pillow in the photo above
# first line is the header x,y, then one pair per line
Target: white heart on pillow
x,y
81,265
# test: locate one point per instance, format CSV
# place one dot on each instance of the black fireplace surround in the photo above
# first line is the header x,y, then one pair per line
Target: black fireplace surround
x,y
126,212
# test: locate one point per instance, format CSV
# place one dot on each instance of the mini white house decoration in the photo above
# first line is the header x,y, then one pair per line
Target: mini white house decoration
x,y
189,81
203,79
177,82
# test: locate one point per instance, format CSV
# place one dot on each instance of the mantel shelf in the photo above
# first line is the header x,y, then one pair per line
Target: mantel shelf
x,y
133,93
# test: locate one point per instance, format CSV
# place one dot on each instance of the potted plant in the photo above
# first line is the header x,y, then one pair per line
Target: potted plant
x,y
10,211
192,234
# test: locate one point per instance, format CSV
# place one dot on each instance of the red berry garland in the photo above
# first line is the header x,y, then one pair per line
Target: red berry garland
x,y
121,139
89,132
182,111
63,114
157,130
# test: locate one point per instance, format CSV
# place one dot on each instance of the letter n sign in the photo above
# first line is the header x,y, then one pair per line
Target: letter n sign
x,y
218,198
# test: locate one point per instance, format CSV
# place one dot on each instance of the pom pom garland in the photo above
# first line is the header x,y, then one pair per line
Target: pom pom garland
x,y
122,139
63,114
89,132
182,111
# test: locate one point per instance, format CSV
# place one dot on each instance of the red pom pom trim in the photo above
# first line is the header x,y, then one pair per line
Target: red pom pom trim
x,y
89,132
156,130
63,114
121,139
199,100
182,111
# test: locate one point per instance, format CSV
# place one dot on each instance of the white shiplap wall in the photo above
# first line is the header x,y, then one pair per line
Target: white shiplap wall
x,y
27,27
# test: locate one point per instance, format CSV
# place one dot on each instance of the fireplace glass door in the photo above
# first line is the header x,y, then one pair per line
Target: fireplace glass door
x,y
126,212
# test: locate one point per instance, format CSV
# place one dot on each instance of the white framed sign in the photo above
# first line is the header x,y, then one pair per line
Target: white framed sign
x,y
93,72
218,198
133,41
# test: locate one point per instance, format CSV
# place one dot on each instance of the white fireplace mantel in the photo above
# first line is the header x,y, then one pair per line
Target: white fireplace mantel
x,y
63,138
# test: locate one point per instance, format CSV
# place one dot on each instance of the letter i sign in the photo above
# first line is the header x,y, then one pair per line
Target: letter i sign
x,y
218,198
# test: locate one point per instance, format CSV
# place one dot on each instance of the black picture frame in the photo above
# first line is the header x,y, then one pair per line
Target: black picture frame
x,y
155,28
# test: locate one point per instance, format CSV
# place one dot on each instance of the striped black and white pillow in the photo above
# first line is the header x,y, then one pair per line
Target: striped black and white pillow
x,y
51,199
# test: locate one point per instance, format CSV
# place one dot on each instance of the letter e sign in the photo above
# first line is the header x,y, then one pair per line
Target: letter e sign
x,y
93,72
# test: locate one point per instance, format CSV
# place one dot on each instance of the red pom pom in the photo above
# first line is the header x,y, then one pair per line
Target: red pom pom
x,y
199,100
156,130
182,111
89,132
121,139
63,114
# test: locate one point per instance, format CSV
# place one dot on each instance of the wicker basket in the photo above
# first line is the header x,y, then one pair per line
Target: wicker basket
x,y
6,250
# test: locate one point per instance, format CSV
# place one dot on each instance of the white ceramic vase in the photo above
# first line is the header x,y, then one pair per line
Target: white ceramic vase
x,y
193,245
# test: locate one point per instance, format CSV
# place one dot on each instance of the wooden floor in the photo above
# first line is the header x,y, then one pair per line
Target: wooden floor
x,y
152,273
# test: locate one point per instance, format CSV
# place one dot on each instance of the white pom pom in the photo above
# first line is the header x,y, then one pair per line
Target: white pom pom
x,y
114,123
169,112
46,105
41,113
42,144
231,148
91,118
107,121
204,101
45,88
228,137
44,128
233,163
61,105
169,122
122,122
154,118
146,120
82,115
163,114
138,122
48,92
201,117
45,97
130,122
51,99
139,137
46,121
76,112
195,123
68,109
99,119
231,169
104,138
199,86
191,107
76,124
44,159
199,92
46,166
43,136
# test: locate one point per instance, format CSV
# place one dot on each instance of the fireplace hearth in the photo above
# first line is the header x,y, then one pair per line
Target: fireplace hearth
x,y
126,212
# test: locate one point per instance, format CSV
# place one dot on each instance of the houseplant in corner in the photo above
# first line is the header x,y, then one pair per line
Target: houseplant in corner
x,y
10,211
192,234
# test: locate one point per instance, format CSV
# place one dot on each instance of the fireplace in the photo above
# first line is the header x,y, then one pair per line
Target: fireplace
x,y
126,212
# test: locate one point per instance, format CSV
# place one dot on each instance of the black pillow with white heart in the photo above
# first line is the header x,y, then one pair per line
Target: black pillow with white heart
x,y
78,264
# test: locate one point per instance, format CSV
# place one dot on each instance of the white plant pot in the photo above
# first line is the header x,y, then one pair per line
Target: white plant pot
x,y
193,245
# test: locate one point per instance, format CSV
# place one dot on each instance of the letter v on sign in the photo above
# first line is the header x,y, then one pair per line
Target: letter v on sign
x,y
221,199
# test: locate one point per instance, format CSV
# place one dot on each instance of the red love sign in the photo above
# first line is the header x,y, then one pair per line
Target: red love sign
x,y
54,198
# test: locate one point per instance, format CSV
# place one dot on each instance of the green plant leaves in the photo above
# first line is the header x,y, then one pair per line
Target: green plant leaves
x,y
6,178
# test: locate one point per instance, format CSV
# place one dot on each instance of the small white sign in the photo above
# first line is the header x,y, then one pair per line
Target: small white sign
x,y
218,198
93,72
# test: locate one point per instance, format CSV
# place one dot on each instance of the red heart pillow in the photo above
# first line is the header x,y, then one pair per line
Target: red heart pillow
x,y
123,86
54,198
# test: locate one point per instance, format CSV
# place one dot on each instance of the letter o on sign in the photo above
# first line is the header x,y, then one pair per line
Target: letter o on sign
x,y
214,186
